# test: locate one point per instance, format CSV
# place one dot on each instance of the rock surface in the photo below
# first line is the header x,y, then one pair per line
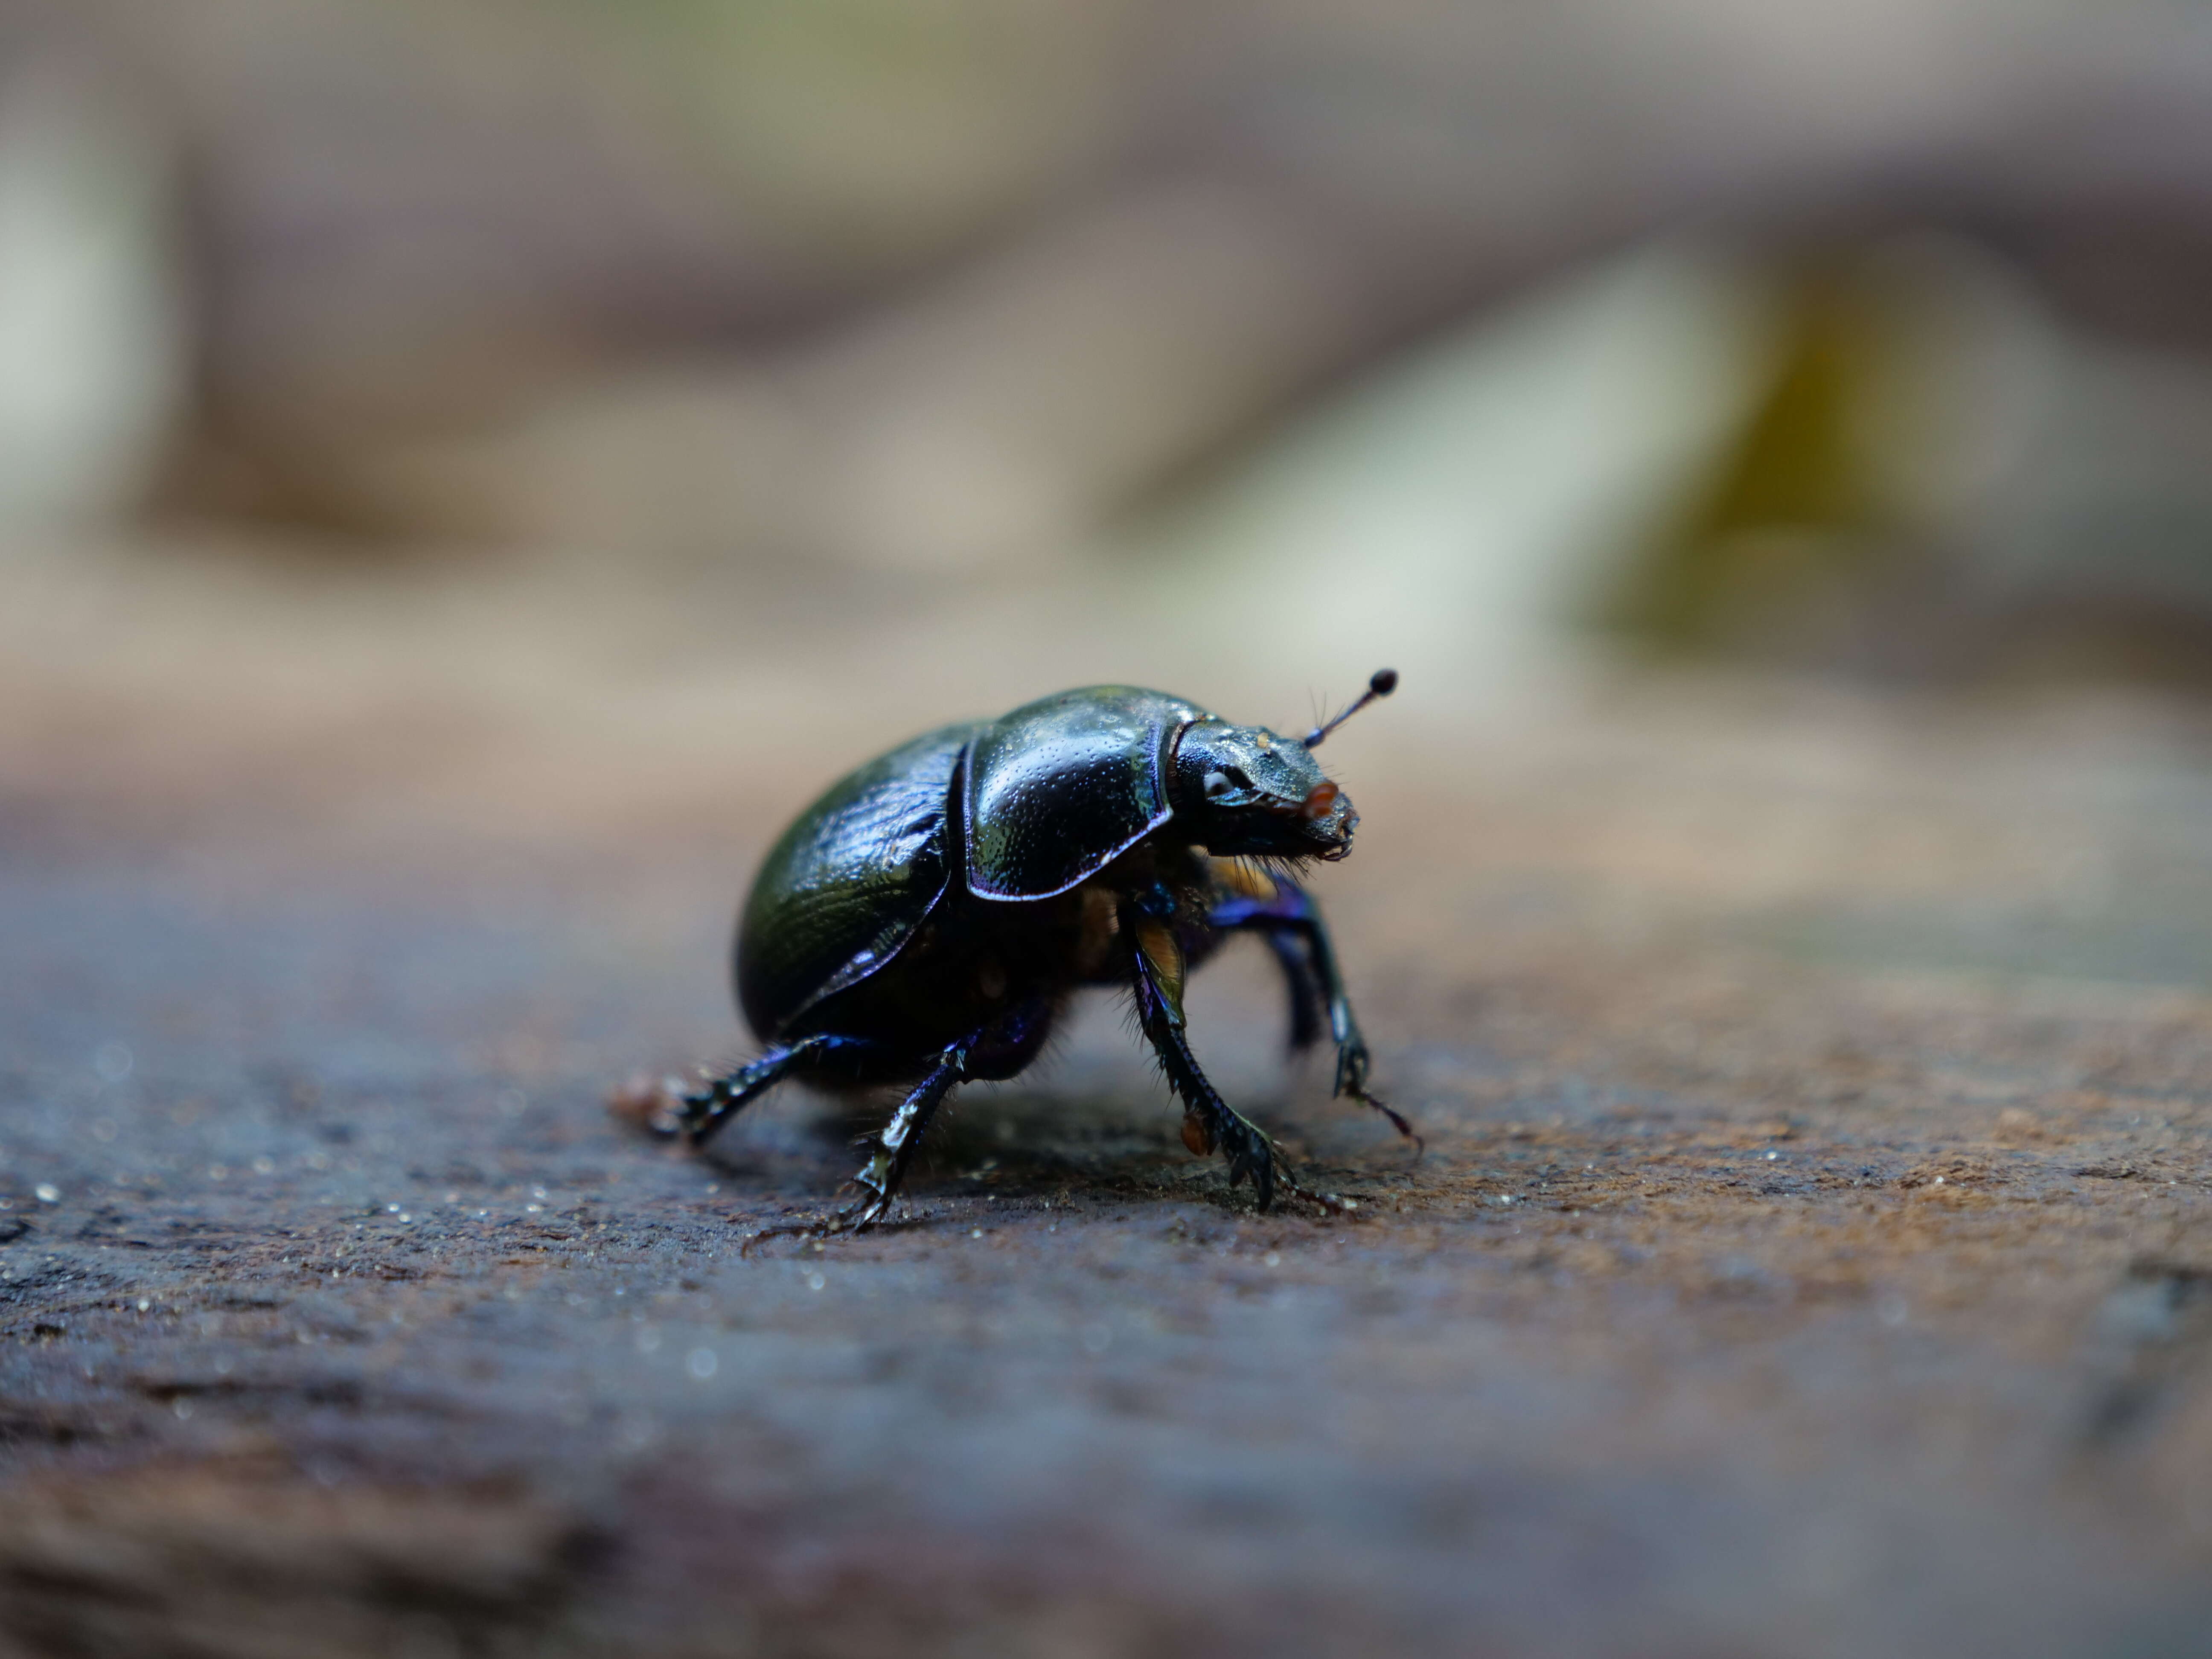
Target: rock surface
x,y
1812,1255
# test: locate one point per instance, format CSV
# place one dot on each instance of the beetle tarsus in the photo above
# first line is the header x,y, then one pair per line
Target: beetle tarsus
x,y
651,1103
702,1110
700,1113
895,1144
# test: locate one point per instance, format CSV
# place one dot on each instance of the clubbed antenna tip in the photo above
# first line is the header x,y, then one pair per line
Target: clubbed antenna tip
x,y
1385,681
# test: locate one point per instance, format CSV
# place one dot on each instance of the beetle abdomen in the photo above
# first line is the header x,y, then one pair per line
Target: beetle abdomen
x,y
848,882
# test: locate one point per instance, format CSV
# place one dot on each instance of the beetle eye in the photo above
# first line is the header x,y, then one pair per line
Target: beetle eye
x,y
1216,784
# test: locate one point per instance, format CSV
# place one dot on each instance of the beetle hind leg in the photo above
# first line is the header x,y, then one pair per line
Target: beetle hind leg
x,y
716,1101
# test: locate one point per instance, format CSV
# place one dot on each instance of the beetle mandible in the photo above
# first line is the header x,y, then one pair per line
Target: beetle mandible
x,y
926,920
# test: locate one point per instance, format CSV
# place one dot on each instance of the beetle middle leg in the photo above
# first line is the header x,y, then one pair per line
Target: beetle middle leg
x,y
998,1050
894,1148
1307,1002
895,1142
1284,914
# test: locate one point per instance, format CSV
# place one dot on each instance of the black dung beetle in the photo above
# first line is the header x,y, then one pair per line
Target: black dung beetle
x,y
927,919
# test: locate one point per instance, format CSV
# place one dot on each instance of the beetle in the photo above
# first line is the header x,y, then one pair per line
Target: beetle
x,y
926,921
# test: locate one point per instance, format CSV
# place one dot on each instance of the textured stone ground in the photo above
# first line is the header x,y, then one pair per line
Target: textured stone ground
x,y
1813,1254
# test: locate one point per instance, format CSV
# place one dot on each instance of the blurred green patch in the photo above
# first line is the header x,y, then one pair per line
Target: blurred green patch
x,y
1799,512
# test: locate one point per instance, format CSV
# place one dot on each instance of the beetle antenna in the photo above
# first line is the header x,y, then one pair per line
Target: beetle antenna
x,y
1384,682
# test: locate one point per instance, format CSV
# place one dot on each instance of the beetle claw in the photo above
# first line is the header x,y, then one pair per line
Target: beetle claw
x,y
841,1224
1352,1085
1328,1201
863,1214
1397,1118
654,1104
1251,1157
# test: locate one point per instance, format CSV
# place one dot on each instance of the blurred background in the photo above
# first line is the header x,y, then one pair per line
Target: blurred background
x,y
673,363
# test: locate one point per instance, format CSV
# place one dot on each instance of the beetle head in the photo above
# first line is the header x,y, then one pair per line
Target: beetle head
x,y
1245,791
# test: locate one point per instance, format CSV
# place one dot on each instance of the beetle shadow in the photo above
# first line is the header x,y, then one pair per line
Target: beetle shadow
x,y
1024,1140
1096,1114
1092,1114
1029,1137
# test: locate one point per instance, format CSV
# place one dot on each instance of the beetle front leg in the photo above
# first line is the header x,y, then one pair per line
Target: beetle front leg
x,y
1210,1122
1286,915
